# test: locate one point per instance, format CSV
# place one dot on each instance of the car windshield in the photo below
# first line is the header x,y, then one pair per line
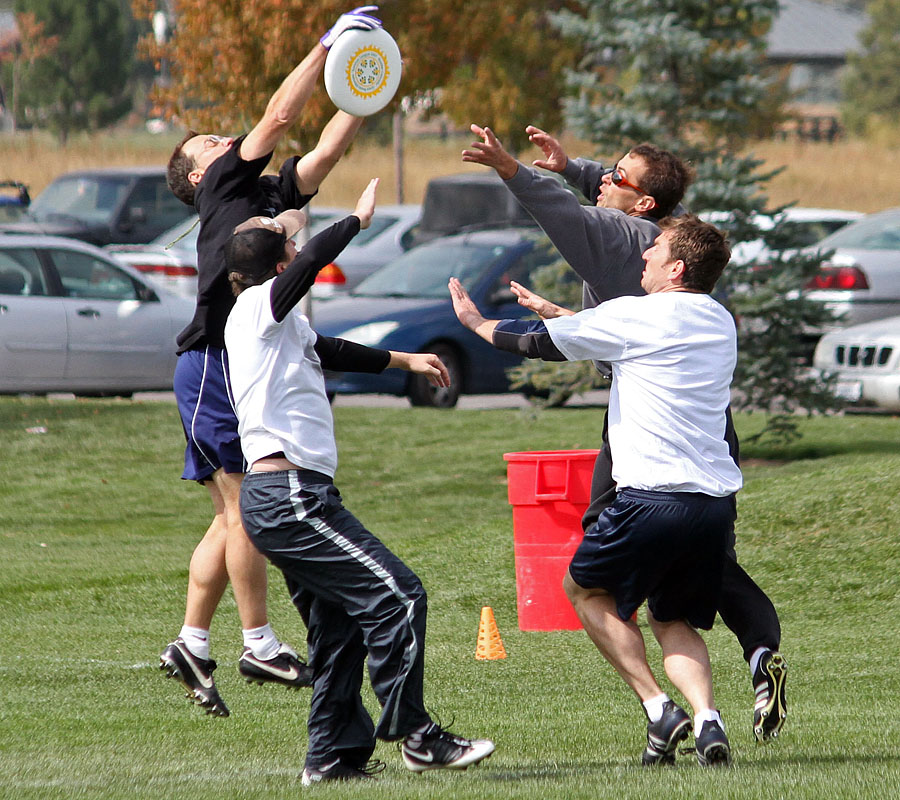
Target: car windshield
x,y
424,271
878,232
87,198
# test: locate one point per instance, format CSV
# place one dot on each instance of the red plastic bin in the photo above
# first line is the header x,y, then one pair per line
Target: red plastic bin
x,y
549,491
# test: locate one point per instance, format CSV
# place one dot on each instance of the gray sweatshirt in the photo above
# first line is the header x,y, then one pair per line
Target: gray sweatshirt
x,y
603,245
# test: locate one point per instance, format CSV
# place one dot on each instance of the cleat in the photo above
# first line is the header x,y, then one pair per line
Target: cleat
x,y
664,735
440,749
195,675
286,668
339,771
770,709
712,746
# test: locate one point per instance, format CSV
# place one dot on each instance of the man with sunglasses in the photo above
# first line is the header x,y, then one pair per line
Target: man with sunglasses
x,y
222,177
604,243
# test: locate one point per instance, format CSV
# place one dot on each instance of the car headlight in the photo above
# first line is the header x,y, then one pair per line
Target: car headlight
x,y
371,333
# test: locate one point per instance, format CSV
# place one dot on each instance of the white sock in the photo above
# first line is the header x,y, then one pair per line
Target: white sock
x,y
262,642
707,715
654,707
754,659
196,640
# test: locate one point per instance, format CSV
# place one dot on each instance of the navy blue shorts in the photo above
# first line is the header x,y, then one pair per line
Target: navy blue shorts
x,y
664,547
203,392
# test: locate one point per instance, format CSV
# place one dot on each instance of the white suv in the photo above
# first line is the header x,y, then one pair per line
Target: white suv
x,y
866,360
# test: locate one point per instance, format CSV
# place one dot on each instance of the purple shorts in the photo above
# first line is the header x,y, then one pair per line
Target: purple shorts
x,y
203,393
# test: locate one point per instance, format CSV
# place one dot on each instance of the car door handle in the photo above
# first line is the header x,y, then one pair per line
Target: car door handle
x,y
88,312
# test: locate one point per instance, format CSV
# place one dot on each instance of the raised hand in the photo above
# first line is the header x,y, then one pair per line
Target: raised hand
x,y
360,18
555,158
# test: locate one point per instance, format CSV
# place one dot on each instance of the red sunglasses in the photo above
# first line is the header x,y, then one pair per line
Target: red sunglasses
x,y
619,179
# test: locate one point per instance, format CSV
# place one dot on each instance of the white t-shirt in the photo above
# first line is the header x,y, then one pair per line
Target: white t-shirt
x,y
278,386
673,355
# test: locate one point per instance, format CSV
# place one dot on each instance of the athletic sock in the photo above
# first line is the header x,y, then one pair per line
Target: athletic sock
x,y
654,707
755,658
196,640
262,642
707,715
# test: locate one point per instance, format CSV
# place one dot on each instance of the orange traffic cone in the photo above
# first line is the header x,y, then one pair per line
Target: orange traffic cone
x,y
490,645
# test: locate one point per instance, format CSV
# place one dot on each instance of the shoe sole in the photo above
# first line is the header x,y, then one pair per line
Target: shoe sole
x,y
773,715
652,758
716,755
213,706
461,764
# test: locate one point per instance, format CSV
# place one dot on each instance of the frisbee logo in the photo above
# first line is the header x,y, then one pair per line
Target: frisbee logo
x,y
367,72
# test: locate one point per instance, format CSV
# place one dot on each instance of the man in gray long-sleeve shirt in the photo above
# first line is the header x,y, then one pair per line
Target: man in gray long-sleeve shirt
x,y
603,243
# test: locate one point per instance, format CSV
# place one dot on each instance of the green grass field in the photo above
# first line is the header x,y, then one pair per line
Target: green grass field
x,y
95,535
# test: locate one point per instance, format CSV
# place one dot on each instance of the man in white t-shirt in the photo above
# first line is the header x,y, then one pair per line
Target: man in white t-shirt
x,y
664,539
358,599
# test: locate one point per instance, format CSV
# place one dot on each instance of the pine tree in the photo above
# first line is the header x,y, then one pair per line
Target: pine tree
x,y
82,84
871,88
688,75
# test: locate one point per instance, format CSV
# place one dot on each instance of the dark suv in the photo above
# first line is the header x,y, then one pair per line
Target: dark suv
x,y
120,205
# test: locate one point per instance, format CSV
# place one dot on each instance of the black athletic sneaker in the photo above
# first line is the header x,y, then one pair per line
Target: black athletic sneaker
x,y
285,667
770,709
196,676
712,746
664,735
339,771
440,749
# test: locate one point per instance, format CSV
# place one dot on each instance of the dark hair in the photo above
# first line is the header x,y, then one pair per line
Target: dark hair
x,y
251,257
665,178
702,247
179,167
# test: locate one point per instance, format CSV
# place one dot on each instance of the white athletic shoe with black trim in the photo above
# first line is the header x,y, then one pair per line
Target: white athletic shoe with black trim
x,y
440,749
770,709
195,675
285,667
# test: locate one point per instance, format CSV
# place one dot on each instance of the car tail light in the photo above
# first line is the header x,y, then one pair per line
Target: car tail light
x,y
839,278
169,270
331,274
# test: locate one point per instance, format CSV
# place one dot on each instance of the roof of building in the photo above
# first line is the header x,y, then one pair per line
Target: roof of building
x,y
807,29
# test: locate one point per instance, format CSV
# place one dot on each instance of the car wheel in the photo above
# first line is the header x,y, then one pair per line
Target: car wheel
x,y
422,393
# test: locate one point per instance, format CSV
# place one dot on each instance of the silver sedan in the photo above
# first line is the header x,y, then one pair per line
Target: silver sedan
x,y
74,320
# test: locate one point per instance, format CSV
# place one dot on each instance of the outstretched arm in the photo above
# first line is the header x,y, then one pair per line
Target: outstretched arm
x,y
336,137
490,153
468,314
427,364
285,106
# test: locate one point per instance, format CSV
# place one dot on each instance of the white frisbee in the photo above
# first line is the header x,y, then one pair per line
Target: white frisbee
x,y
362,71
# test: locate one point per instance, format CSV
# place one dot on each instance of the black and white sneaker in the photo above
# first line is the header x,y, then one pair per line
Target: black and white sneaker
x,y
770,709
712,746
286,667
664,735
440,749
339,771
196,676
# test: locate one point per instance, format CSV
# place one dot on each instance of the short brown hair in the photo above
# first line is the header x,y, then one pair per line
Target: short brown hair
x,y
666,178
179,167
702,247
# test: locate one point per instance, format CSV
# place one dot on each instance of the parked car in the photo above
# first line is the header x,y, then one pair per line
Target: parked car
x,y
406,306
861,280
802,226
104,206
866,361
389,236
74,320
170,260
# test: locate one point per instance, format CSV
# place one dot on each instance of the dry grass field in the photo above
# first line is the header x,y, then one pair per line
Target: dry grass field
x,y
851,174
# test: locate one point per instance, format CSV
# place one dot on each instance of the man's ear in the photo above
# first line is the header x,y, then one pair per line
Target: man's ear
x,y
644,204
676,270
195,175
